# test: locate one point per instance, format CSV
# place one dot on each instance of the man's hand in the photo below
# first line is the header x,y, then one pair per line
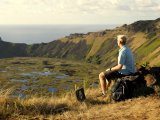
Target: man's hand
x,y
108,70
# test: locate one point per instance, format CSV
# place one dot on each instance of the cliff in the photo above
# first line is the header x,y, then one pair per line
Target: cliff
x,y
96,47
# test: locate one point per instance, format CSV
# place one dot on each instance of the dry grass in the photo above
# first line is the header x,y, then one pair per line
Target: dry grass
x,y
153,57
139,39
96,46
67,107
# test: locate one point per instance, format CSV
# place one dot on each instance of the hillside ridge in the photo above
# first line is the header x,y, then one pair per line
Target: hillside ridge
x,y
95,47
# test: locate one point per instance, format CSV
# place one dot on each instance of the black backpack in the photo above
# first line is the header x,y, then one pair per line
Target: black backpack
x,y
80,94
121,90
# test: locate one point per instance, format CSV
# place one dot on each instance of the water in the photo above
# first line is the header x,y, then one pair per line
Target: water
x,y
62,76
20,81
44,33
24,86
52,90
34,74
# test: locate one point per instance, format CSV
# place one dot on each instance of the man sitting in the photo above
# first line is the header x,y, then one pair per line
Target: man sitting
x,y
126,65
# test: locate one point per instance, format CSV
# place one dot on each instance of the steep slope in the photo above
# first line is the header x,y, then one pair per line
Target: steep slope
x,y
60,49
97,47
8,49
144,40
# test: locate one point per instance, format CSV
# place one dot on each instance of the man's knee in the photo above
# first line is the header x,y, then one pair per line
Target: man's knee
x,y
101,75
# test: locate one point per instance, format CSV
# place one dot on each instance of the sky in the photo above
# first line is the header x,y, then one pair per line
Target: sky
x,y
77,11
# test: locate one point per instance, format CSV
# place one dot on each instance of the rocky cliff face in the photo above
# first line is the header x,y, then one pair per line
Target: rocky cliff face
x,y
97,47
60,49
8,49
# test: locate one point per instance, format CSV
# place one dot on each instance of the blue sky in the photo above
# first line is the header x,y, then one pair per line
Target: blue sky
x,y
77,11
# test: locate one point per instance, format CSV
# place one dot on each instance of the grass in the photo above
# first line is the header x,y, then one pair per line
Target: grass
x,y
138,40
43,105
13,68
66,107
148,47
148,52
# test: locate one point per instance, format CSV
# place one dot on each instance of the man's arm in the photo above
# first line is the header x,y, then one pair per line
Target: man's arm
x,y
121,62
116,68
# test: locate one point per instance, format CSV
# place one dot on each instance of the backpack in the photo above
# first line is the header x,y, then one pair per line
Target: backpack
x,y
121,90
80,94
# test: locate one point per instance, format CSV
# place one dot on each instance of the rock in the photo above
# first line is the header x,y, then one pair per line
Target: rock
x,y
150,80
157,90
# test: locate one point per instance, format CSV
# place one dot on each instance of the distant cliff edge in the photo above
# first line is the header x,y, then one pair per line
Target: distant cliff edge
x,y
95,47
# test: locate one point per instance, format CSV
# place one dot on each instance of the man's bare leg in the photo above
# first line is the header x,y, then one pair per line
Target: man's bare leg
x,y
102,80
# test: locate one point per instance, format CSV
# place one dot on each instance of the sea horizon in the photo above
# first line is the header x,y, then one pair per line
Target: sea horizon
x,y
32,34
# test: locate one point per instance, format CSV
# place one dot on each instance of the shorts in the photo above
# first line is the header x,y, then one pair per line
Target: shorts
x,y
114,75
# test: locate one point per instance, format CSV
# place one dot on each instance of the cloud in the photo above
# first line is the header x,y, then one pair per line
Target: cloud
x,y
84,6
73,6
146,5
135,5
5,2
72,11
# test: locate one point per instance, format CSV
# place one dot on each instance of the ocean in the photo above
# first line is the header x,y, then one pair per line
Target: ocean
x,y
31,34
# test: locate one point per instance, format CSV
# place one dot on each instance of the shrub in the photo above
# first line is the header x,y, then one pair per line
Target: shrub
x,y
94,59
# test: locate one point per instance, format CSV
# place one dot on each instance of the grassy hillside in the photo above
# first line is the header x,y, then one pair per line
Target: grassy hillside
x,y
29,76
149,50
96,47
144,40
67,107
25,84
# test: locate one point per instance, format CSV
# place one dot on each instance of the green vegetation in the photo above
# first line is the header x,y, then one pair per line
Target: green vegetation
x,y
45,75
148,47
94,59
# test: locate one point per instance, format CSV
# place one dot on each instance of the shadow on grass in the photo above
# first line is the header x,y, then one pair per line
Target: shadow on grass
x,y
48,110
95,101
14,107
61,108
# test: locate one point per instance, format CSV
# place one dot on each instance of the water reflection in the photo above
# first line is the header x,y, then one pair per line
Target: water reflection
x,y
21,81
21,95
52,90
74,81
46,73
24,87
32,79
67,88
62,76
